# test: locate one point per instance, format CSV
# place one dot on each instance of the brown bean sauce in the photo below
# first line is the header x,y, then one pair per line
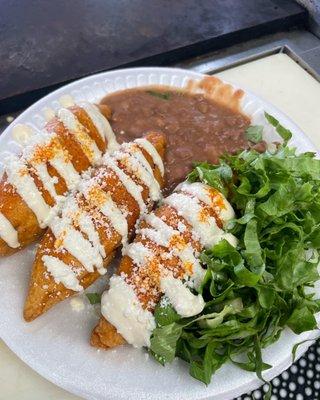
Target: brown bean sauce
x,y
197,128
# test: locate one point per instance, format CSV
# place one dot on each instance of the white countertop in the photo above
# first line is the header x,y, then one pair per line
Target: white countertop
x,y
282,82
276,78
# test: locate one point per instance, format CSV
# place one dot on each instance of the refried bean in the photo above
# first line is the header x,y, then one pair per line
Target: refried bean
x,y
196,127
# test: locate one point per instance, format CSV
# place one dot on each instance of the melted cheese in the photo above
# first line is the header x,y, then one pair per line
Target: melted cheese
x,y
8,232
121,307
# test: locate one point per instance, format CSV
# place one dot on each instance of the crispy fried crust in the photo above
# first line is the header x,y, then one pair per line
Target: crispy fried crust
x,y
78,158
105,110
21,217
106,336
86,121
13,206
44,292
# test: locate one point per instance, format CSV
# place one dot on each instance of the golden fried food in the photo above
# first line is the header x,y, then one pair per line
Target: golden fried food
x,y
33,185
94,222
163,260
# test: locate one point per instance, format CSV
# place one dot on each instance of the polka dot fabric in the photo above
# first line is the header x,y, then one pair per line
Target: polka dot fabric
x,y
299,382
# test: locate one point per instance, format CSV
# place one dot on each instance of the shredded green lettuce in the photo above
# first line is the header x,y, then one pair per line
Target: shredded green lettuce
x,y
94,298
254,291
254,133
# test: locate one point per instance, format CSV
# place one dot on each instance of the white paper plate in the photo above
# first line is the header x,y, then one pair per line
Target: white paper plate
x,y
56,345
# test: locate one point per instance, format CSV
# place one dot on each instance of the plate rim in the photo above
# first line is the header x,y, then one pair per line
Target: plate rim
x,y
36,365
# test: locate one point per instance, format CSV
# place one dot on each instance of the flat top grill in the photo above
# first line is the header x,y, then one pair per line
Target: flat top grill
x,y
283,68
47,43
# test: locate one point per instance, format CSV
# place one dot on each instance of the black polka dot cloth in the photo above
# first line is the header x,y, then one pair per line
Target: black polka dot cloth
x,y
299,382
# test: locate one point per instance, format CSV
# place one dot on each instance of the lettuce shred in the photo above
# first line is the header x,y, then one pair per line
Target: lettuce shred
x,y
254,291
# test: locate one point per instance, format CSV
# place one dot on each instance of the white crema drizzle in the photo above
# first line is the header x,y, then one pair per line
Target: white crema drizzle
x,y
135,161
138,253
102,125
116,306
18,173
103,202
210,197
62,273
73,214
88,145
182,299
74,242
8,232
132,187
204,227
57,158
90,251
122,308
22,133
150,149
163,235
18,176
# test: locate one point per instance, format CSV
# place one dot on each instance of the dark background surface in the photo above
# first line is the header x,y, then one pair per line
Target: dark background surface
x,y
44,43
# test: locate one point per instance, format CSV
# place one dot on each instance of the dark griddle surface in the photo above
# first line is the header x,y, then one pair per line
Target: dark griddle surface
x,y
44,42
